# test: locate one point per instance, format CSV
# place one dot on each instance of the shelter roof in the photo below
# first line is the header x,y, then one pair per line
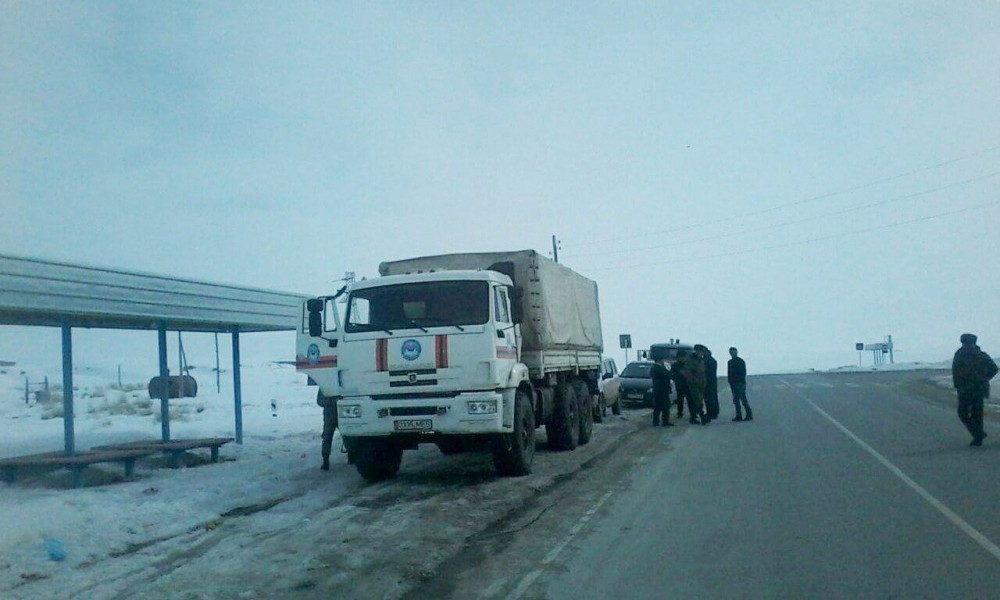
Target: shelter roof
x,y
51,293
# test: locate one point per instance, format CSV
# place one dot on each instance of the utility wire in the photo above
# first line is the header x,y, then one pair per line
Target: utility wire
x,y
796,202
803,242
793,222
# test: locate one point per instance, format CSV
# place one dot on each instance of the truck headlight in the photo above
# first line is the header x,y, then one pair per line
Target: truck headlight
x,y
483,407
350,411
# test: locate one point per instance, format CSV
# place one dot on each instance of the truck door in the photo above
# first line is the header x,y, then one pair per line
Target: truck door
x,y
506,342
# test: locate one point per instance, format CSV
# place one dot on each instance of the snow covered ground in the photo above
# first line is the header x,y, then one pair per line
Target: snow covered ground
x,y
199,532
95,522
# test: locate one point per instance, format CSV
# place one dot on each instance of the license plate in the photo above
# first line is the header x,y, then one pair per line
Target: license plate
x,y
413,424
638,395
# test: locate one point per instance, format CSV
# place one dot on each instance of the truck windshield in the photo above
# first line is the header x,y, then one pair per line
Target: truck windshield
x,y
414,305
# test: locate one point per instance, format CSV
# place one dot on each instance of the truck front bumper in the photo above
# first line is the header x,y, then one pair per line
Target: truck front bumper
x,y
454,415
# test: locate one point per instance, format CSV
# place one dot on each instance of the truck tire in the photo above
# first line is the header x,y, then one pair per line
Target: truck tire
x,y
514,452
585,401
599,409
563,430
378,460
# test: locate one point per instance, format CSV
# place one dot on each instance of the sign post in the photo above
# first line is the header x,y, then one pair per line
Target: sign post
x,y
625,341
859,347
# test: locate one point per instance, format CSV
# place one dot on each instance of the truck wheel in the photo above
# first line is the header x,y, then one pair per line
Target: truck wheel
x,y
616,408
599,409
584,399
514,452
563,430
378,460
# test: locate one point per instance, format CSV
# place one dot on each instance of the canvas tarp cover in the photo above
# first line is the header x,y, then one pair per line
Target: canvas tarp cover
x,y
560,307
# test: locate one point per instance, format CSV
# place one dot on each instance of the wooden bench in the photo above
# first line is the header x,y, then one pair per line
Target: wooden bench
x,y
174,448
76,463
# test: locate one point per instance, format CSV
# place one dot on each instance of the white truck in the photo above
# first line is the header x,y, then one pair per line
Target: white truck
x,y
466,351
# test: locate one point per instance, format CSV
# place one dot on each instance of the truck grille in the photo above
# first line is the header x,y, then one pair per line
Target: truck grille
x,y
412,411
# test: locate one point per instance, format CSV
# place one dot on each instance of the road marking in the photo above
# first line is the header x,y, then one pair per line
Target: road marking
x,y
530,578
951,515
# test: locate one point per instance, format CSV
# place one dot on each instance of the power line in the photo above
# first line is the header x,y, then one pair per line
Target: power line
x,y
796,202
793,222
803,242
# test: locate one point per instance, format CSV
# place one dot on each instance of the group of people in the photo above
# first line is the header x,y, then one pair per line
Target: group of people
x,y
694,375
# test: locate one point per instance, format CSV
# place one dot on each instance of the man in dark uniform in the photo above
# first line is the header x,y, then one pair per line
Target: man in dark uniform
x,y
711,383
971,371
661,394
694,374
329,425
736,374
680,384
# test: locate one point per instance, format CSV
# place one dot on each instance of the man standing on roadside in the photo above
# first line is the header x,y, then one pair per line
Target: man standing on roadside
x,y
711,383
694,374
737,375
971,371
661,394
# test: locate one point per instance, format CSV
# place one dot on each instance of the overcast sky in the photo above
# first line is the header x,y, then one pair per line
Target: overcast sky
x,y
790,178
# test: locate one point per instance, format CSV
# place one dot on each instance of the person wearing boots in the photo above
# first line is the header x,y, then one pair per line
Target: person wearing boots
x,y
971,371
680,384
661,394
694,374
329,425
736,373
711,383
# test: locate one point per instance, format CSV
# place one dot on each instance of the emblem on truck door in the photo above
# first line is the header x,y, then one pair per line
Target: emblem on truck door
x,y
411,350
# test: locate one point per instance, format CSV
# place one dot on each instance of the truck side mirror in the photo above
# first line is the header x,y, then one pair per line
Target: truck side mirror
x,y
315,324
515,306
315,307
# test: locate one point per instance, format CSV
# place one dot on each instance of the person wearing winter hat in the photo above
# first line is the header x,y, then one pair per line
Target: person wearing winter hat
x,y
971,371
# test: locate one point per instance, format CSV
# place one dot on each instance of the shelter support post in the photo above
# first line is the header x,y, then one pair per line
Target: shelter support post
x,y
165,388
237,393
67,368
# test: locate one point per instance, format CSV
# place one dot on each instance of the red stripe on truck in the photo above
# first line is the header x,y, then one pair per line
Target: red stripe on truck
x,y
441,352
382,355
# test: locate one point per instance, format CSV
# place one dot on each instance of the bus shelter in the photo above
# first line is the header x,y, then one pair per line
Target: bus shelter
x,y
48,293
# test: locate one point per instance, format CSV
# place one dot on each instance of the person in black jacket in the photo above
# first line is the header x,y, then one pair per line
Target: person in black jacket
x,y
661,394
736,373
971,371
711,383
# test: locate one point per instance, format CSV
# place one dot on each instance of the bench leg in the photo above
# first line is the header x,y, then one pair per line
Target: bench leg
x,y
129,468
8,474
215,454
77,475
175,458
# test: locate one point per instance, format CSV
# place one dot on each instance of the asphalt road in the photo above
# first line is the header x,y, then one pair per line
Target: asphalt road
x,y
844,486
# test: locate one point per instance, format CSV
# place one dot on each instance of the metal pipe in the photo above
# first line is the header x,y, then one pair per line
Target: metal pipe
x,y
237,398
165,389
67,367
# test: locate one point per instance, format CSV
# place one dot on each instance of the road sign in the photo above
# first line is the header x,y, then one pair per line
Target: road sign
x,y
859,346
625,340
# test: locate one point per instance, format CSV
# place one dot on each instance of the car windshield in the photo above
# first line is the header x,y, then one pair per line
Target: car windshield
x,y
638,371
418,305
